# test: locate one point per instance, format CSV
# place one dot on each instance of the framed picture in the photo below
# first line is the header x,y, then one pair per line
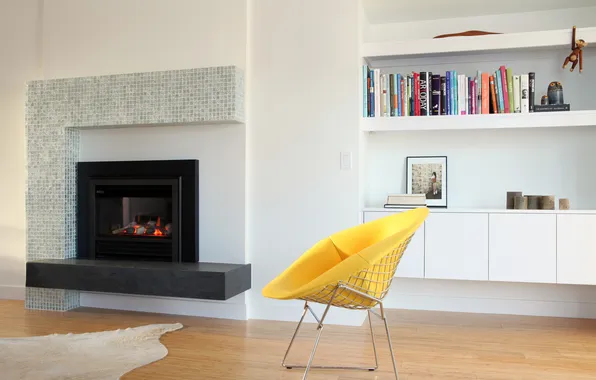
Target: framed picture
x,y
428,175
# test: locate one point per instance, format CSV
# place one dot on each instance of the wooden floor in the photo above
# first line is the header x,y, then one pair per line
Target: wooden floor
x,y
428,345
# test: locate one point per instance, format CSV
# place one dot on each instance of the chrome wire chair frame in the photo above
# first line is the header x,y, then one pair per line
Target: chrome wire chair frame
x,y
361,291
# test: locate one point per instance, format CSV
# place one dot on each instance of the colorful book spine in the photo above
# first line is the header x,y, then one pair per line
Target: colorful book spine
x,y
402,89
383,94
423,93
410,96
387,97
365,94
436,94
504,90
448,92
443,108
532,90
485,98
493,93
455,87
463,99
499,89
392,94
429,93
523,89
470,97
516,94
397,95
478,84
417,94
509,74
475,96
377,76
371,105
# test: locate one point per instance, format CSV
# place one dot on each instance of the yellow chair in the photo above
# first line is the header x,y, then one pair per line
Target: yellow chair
x,y
352,269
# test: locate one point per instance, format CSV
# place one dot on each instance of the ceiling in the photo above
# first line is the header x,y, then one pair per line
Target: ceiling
x,y
390,11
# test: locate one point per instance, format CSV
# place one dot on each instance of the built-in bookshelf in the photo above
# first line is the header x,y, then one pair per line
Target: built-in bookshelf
x,y
488,154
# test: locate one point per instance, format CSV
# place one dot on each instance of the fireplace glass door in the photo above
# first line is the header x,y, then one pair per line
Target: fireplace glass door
x,y
135,219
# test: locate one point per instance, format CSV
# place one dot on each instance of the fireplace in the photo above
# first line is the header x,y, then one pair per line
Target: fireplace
x,y
138,210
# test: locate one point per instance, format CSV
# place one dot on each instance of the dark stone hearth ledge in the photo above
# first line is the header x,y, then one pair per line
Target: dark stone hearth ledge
x,y
212,281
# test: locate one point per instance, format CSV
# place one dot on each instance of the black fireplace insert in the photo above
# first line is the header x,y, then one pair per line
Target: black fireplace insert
x,y
138,210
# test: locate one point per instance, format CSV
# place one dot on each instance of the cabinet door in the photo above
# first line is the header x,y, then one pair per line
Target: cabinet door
x,y
456,246
523,248
412,262
576,249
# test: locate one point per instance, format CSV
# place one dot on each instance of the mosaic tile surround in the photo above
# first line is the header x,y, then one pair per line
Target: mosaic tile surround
x,y
55,112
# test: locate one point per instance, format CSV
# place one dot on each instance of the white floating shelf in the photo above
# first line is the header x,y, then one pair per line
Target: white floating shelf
x,y
474,44
490,121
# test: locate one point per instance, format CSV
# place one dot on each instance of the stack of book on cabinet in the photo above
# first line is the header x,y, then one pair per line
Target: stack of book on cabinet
x,y
426,94
405,201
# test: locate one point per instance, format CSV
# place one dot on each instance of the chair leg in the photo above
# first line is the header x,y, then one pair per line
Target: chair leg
x,y
389,340
309,365
283,362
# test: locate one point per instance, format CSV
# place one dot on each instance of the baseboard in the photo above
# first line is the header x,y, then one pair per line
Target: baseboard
x,y
12,292
234,308
497,306
548,300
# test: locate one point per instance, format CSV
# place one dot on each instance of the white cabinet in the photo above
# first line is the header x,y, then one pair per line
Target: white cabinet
x,y
412,262
523,248
576,249
456,246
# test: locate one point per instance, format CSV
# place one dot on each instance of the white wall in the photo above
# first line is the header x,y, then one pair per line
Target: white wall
x,y
303,111
87,38
19,62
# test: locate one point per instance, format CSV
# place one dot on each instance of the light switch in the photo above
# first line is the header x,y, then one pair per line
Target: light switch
x,y
346,161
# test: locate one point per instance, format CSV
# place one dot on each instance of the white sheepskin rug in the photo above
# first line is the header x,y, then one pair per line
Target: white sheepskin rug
x,y
93,356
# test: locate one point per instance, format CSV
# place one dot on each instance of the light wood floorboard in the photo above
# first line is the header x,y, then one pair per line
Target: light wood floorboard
x,y
428,345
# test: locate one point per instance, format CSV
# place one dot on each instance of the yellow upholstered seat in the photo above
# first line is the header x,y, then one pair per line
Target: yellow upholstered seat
x,y
364,256
351,269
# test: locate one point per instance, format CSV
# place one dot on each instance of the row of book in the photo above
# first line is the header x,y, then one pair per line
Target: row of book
x,y
426,93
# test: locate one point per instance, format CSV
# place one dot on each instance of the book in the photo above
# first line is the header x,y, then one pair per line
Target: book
x,y
436,95
410,96
392,94
377,76
523,89
493,93
475,96
417,94
423,93
485,94
499,90
532,90
470,96
371,103
383,93
448,92
443,108
461,94
478,92
397,206
366,89
510,94
455,92
402,98
551,107
429,90
387,97
504,89
406,199
516,94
